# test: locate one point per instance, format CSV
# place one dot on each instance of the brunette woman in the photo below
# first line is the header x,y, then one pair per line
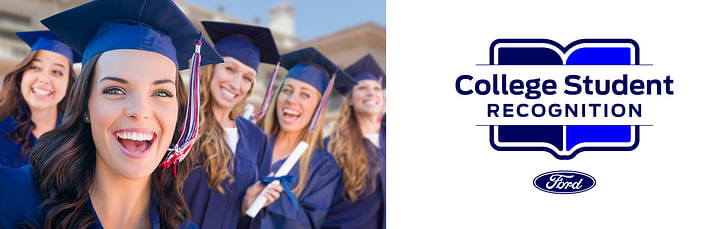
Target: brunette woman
x,y
101,166
34,95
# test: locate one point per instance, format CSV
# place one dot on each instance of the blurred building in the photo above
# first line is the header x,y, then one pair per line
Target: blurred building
x,y
18,16
342,47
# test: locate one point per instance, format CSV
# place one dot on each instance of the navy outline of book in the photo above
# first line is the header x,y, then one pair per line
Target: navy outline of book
x,y
541,57
554,140
548,52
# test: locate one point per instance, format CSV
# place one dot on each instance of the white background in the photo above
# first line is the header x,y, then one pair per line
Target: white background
x,y
442,172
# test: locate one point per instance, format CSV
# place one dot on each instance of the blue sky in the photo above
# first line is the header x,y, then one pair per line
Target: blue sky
x,y
313,18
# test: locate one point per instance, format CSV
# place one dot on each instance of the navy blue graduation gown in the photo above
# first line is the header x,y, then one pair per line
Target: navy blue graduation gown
x,y
368,210
252,160
314,201
22,202
10,152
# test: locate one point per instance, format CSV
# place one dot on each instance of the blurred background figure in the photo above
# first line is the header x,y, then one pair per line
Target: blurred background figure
x,y
34,95
359,200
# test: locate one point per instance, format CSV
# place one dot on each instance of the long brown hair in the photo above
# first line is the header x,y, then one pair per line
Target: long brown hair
x,y
13,104
347,143
270,125
64,161
211,147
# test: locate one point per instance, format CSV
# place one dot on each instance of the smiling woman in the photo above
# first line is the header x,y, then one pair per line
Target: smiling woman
x,y
232,153
100,167
128,110
112,173
295,109
357,143
33,95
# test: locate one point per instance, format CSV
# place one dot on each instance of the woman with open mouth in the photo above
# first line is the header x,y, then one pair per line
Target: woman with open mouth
x,y
290,121
34,95
232,153
101,166
359,200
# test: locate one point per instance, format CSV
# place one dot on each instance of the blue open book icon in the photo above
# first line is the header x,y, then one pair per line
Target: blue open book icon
x,y
564,141
548,52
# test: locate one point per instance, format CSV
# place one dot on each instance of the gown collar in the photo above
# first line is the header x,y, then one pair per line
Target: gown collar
x,y
154,215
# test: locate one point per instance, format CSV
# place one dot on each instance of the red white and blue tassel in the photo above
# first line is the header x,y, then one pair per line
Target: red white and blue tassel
x,y
181,148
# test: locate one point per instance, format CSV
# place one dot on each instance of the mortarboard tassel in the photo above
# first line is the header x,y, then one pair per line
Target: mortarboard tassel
x,y
268,94
182,147
382,111
318,113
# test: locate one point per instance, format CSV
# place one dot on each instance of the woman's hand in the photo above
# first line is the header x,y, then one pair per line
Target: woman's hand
x,y
253,191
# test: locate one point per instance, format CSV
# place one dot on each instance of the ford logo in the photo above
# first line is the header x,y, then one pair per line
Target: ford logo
x,y
564,182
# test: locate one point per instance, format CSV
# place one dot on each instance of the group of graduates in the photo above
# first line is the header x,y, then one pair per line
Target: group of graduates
x,y
125,144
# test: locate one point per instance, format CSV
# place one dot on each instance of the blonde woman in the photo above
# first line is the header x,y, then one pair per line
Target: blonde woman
x,y
358,146
231,153
292,112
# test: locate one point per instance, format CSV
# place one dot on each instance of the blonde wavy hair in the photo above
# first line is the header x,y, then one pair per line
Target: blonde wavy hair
x,y
270,125
347,143
211,146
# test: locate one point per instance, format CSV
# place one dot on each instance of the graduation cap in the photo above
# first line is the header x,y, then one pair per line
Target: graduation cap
x,y
310,66
366,68
152,25
46,40
246,43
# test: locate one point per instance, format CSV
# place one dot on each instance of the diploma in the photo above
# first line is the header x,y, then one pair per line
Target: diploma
x,y
286,167
249,112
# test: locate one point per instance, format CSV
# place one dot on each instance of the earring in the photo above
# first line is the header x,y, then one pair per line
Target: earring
x,y
86,118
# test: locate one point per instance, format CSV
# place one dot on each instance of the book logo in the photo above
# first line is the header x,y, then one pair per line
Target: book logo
x,y
564,141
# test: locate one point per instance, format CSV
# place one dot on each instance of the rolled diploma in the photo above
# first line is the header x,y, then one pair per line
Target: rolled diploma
x,y
286,167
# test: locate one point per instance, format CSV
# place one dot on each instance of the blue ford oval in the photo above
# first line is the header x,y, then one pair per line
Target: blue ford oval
x,y
564,182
